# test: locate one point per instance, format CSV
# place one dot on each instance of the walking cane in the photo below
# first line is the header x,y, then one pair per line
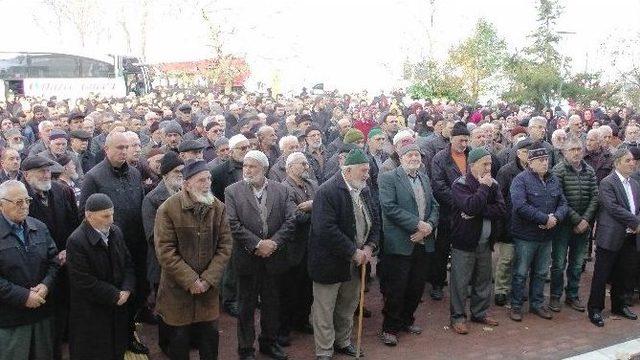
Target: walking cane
x,y
363,271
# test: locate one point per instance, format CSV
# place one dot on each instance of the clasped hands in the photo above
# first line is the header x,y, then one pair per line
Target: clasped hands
x,y
552,221
424,229
266,247
362,256
37,295
199,287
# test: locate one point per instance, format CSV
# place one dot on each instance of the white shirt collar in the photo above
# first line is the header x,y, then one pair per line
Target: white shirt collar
x,y
622,178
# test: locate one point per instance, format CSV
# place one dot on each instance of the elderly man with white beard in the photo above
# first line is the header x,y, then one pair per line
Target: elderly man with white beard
x,y
295,306
193,244
262,220
59,211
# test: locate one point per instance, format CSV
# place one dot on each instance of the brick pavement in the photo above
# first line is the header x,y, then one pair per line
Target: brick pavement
x,y
569,333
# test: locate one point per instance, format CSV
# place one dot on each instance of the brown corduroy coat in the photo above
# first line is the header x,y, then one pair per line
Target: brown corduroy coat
x,y
189,249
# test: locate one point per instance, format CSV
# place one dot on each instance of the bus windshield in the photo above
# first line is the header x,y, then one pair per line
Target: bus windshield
x,y
17,66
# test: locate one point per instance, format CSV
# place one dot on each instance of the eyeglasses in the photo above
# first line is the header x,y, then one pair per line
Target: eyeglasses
x,y
19,202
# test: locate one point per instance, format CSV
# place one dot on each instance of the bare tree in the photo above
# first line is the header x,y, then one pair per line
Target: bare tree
x,y
83,15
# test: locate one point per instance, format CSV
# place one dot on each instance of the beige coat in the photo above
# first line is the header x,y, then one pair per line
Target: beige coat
x,y
187,250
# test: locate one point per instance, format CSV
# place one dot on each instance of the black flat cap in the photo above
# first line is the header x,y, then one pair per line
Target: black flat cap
x,y
169,162
57,134
192,168
80,134
190,145
185,107
75,115
459,128
98,202
36,162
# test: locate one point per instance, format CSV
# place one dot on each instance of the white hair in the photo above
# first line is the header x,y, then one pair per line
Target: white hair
x,y
131,135
293,157
605,129
286,139
43,124
263,129
10,184
537,120
557,132
595,132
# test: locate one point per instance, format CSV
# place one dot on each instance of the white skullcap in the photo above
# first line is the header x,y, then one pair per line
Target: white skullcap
x,y
257,155
293,156
236,139
405,133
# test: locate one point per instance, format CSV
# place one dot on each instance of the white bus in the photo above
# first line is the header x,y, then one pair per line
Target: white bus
x,y
66,76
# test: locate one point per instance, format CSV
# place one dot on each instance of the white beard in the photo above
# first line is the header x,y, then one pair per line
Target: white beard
x,y
41,186
206,199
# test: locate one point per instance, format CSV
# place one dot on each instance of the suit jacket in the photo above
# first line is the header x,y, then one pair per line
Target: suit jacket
x,y
615,217
400,212
247,229
333,229
223,175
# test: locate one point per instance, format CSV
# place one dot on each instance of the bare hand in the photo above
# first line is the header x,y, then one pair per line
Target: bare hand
x,y
368,251
360,257
551,221
195,288
425,228
41,290
486,179
62,257
34,300
417,237
306,206
582,226
124,296
264,248
466,217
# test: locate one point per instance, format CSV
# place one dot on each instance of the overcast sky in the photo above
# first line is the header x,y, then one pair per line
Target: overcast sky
x,y
350,44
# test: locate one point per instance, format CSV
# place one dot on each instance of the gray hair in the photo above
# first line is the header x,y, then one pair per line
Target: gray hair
x,y
286,139
131,135
619,153
605,128
263,129
43,124
293,157
10,184
537,120
595,132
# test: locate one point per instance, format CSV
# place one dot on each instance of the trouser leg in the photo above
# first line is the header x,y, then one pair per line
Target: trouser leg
x,y
396,280
269,308
209,338
502,284
416,283
15,342
524,254
441,255
346,305
559,249
462,264
229,284
481,285
247,301
322,310
541,262
605,259
577,254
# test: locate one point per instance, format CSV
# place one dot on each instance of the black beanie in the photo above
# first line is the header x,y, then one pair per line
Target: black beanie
x,y
98,202
169,161
459,128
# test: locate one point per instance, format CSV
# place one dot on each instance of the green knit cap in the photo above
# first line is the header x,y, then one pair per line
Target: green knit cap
x,y
356,157
477,154
352,136
375,131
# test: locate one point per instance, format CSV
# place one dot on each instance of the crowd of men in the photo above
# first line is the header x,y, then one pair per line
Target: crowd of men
x,y
171,207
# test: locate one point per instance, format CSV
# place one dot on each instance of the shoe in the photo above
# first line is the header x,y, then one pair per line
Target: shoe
x,y
487,320
305,329
625,312
596,319
413,329
554,304
137,347
349,350
460,328
323,357
500,299
515,314
283,340
575,304
274,351
542,311
436,293
232,309
389,339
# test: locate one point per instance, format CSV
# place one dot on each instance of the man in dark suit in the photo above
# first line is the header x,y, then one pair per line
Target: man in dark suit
x,y
262,219
101,280
345,230
616,239
409,215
